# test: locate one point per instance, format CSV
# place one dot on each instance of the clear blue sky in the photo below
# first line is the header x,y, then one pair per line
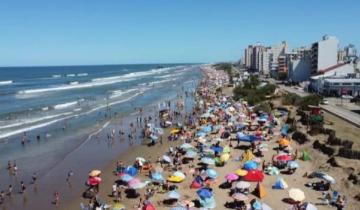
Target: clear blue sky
x,y
72,32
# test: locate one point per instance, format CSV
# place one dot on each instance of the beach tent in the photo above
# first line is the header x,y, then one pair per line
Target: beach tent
x,y
280,184
260,191
248,155
254,176
305,156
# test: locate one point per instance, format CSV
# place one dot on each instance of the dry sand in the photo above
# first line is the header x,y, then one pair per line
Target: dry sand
x,y
273,197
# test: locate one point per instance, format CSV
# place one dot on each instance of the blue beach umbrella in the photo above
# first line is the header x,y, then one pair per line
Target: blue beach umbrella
x,y
173,194
211,173
126,177
204,193
157,177
131,170
250,165
217,149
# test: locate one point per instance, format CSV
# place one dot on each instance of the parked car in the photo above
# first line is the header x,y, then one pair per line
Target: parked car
x,y
325,102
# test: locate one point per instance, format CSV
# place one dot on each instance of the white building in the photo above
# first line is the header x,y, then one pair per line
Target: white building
x,y
337,71
341,86
299,64
324,53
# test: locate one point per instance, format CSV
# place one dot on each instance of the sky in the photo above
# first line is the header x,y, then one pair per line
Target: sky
x,y
87,32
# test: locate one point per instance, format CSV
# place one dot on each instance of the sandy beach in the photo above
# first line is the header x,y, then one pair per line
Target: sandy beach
x,y
273,198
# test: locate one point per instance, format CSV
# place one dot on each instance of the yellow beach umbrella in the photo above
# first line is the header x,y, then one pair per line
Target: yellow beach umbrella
x,y
174,131
241,172
225,157
175,179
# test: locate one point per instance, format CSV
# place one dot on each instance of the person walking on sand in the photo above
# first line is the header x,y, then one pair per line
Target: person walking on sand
x,y
15,169
56,198
22,187
10,190
69,175
34,178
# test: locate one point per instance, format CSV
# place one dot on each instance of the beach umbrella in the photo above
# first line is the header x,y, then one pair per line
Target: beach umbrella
x,y
250,165
179,174
154,137
138,185
231,177
292,164
272,170
241,172
126,177
134,181
225,157
174,131
239,197
157,177
211,173
186,146
226,149
131,170
284,142
118,206
204,193
217,149
208,161
94,173
296,194
173,194
166,158
254,176
190,154
242,185
148,206
175,179
283,157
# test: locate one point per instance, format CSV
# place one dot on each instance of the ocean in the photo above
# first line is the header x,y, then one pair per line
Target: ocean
x,y
55,109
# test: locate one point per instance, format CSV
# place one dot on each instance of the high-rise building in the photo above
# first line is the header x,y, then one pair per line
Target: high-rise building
x,y
324,53
341,56
248,56
350,51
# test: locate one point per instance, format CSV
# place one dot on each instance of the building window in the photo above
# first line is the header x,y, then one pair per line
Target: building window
x,y
335,83
346,83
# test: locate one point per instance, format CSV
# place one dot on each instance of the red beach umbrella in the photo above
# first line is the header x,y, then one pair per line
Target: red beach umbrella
x,y
254,176
283,157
